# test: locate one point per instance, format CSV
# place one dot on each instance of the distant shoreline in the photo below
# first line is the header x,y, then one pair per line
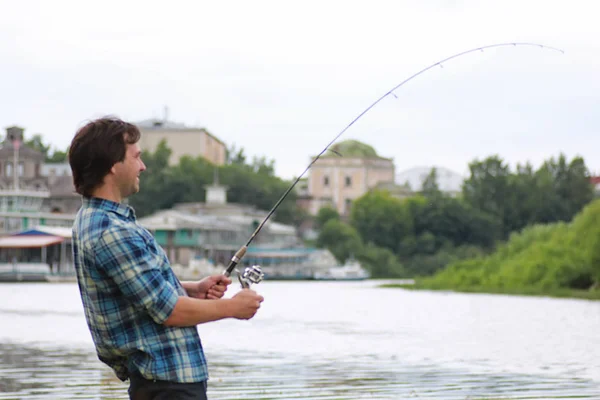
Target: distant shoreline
x,y
555,293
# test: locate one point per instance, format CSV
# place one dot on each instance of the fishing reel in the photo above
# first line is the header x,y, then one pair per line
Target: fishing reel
x,y
251,275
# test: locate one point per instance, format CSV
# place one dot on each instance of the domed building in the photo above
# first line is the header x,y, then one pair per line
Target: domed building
x,y
448,181
346,172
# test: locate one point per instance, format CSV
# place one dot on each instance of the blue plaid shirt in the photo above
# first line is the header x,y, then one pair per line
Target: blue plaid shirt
x,y
128,290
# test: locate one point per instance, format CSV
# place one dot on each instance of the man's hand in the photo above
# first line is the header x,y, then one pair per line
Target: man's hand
x,y
247,302
212,287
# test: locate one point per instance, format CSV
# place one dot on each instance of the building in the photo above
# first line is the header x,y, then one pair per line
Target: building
x,y
63,198
448,181
345,174
214,230
182,140
26,194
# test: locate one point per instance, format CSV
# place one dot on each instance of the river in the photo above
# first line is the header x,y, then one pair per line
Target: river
x,y
328,340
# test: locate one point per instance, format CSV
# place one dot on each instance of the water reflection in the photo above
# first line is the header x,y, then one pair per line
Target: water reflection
x,y
28,372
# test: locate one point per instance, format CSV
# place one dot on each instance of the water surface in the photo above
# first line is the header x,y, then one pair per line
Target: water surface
x,y
328,340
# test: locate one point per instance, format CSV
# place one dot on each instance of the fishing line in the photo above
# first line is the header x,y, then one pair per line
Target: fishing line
x,y
255,275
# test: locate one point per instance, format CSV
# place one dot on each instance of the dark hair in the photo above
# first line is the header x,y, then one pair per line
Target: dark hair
x,y
96,147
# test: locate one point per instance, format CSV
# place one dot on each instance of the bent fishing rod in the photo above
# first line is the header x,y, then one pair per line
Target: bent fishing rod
x,y
254,274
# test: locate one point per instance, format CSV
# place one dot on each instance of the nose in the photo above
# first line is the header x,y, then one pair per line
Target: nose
x,y
142,166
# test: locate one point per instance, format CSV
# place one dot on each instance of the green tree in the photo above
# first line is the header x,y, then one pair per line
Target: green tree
x,y
51,155
340,238
235,155
324,215
36,142
381,219
487,188
381,262
430,187
157,189
58,156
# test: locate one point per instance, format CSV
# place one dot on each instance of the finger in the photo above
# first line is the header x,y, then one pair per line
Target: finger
x,y
225,280
218,289
214,294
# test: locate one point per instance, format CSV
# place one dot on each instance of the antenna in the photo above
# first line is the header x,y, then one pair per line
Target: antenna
x,y
166,114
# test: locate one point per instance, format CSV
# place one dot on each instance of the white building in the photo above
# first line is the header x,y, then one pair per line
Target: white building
x,y
448,181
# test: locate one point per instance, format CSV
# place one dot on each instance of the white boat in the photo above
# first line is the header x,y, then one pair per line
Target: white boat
x,y
351,271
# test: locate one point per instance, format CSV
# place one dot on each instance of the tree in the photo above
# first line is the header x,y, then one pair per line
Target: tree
x,y
235,156
381,219
430,187
37,143
381,262
340,238
158,190
486,188
50,155
324,215
253,184
57,156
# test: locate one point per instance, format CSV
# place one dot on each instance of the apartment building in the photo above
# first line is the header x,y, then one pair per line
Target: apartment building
x,y
182,140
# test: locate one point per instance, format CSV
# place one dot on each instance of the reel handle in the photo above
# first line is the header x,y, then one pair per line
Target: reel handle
x,y
251,275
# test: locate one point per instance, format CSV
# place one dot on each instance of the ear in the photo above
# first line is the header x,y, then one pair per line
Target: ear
x,y
113,169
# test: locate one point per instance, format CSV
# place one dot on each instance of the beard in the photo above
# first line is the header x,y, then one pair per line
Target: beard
x,y
131,188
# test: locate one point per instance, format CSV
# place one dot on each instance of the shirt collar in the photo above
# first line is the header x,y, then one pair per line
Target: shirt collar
x,y
109,205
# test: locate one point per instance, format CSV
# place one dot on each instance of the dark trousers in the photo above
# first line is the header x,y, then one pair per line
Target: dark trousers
x,y
144,389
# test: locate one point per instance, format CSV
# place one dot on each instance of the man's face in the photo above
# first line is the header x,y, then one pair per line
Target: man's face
x,y
127,173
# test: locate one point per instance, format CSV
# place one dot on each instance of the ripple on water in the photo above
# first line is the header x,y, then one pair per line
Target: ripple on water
x,y
59,373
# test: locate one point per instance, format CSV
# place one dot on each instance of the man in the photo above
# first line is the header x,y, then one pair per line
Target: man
x,y
141,317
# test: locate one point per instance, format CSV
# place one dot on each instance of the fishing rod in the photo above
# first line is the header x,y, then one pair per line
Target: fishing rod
x,y
254,274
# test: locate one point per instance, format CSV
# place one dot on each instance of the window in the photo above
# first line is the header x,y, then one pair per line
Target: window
x,y
348,181
9,169
21,168
326,181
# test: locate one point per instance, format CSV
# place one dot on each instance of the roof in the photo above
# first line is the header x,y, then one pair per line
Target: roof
x,y
28,241
173,219
155,124
269,252
62,186
48,231
595,180
25,152
354,148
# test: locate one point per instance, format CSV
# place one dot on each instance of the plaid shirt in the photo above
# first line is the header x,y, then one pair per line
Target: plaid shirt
x,y
128,290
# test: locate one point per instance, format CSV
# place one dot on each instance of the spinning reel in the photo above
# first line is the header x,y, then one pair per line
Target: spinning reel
x,y
251,275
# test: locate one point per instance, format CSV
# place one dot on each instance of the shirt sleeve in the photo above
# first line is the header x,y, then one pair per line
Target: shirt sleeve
x,y
125,257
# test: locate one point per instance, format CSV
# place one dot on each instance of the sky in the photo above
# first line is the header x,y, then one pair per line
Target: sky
x,y
282,79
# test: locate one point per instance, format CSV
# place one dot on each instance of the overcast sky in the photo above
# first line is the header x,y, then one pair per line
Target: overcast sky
x,y
281,79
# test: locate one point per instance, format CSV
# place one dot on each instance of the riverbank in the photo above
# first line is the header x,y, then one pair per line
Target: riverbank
x,y
558,293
